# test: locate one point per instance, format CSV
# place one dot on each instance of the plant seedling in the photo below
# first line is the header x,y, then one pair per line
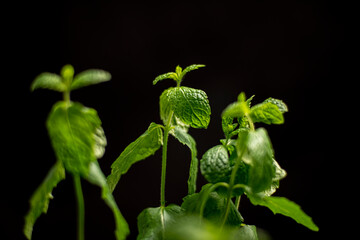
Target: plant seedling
x,y
241,166
180,108
78,140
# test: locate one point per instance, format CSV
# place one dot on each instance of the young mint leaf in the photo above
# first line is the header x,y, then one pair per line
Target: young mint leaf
x,y
258,157
214,208
266,112
97,177
189,105
281,105
90,77
144,146
186,139
190,68
285,207
236,110
49,81
72,129
39,201
152,222
169,75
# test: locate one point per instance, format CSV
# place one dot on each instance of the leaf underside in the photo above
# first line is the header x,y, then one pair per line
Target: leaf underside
x,y
182,136
39,201
285,207
97,177
144,146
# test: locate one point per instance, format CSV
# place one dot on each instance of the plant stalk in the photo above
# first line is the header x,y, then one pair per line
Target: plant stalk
x,y
80,208
232,181
164,160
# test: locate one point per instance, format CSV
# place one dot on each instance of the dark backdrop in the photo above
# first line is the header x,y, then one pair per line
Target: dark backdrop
x,y
291,50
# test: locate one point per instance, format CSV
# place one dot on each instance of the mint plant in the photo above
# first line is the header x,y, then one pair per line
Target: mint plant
x,y
180,108
243,164
78,140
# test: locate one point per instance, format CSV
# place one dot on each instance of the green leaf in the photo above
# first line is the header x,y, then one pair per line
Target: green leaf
x,y
152,222
266,112
281,105
285,207
48,81
144,146
100,142
228,127
72,129
258,157
39,201
190,228
247,232
190,68
236,110
90,77
186,139
214,209
97,177
215,165
169,75
190,105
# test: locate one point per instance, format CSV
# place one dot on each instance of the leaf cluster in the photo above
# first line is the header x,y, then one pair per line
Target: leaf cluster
x,y
243,164
78,141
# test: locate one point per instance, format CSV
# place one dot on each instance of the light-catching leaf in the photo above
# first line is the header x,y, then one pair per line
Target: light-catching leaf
x,y
190,105
144,146
152,222
90,77
39,201
281,105
186,139
49,81
72,129
97,177
169,75
190,68
258,157
236,110
266,112
285,207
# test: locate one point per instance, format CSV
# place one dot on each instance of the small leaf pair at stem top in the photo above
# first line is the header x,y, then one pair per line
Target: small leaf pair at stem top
x,y
78,140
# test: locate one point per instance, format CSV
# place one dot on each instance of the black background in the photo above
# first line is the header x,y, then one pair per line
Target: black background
x,y
296,51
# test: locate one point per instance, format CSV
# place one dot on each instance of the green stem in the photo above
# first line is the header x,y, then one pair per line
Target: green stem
x,y
232,185
163,168
237,202
80,207
164,159
66,96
